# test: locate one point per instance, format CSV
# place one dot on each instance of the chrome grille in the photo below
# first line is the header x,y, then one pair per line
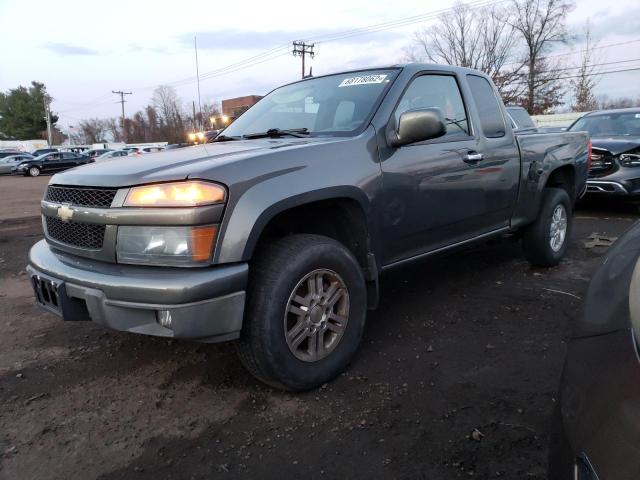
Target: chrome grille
x,y
83,235
81,196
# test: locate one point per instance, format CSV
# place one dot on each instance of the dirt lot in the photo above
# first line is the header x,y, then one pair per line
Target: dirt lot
x,y
472,341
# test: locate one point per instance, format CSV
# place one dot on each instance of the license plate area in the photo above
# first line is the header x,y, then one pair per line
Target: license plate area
x,y
51,294
48,293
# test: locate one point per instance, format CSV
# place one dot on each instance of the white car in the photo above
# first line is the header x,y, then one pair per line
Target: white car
x,y
142,150
111,155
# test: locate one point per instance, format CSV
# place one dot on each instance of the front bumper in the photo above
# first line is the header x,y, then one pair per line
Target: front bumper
x,y
205,304
620,183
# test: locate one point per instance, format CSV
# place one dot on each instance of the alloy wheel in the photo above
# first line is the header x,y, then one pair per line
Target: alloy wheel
x,y
558,229
316,316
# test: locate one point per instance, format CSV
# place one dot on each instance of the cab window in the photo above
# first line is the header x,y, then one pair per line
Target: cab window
x,y
439,91
489,111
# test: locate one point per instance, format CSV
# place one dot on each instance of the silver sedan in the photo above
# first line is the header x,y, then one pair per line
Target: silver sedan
x,y
7,163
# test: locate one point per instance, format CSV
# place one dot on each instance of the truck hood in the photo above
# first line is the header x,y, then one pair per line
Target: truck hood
x,y
178,164
616,145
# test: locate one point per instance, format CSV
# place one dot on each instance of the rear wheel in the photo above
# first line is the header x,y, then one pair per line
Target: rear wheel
x,y
34,171
305,314
546,240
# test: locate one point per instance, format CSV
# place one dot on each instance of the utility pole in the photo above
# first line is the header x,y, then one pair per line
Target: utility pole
x,y
122,100
47,117
195,128
195,45
302,49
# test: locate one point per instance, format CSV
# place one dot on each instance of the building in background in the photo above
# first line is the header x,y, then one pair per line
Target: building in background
x,y
234,107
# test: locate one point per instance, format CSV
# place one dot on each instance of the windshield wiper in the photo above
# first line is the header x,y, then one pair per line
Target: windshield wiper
x,y
224,138
276,132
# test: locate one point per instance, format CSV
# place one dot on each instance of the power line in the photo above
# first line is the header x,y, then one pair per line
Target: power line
x,y
574,52
594,74
277,52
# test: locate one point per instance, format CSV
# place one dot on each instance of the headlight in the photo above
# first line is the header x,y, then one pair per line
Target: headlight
x,y
177,194
166,246
630,159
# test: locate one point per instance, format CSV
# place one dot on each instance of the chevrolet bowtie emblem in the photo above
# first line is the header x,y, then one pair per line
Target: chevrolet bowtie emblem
x,y
65,213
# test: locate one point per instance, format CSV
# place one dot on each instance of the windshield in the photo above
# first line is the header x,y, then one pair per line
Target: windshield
x,y
332,105
610,124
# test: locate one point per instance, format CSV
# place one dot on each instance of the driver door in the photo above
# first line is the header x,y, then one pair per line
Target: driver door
x,y
433,195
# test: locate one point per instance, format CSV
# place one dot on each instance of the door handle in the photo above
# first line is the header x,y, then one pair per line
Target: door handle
x,y
472,157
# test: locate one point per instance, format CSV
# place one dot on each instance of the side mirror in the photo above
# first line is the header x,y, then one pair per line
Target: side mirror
x,y
418,126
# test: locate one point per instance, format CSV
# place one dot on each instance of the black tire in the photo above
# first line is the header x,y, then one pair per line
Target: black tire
x,y
536,240
33,171
275,274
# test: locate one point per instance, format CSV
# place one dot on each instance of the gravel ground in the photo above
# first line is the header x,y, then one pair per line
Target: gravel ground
x,y
456,377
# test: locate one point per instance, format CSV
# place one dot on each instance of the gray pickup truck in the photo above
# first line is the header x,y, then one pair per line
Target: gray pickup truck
x,y
275,235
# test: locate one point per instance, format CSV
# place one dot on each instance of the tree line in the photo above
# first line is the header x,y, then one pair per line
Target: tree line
x,y
512,43
164,119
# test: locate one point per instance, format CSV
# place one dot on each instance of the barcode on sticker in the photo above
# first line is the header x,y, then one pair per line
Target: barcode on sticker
x,y
363,80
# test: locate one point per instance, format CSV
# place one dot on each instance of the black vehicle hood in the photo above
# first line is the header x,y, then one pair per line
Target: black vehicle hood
x,y
179,164
606,306
616,145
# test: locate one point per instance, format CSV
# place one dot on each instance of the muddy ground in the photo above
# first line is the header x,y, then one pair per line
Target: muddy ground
x,y
472,341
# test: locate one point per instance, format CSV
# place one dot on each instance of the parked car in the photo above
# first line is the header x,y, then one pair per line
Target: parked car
x,y
50,162
320,186
596,430
210,135
10,161
521,122
615,167
96,152
9,153
173,146
42,151
111,154
152,149
137,151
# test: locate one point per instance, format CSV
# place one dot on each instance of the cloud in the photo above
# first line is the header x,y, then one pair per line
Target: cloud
x,y
249,40
66,49
627,23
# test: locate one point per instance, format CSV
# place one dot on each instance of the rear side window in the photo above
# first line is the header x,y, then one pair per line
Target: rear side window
x,y
440,91
491,119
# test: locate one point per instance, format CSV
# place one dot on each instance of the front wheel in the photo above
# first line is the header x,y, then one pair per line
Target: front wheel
x,y
34,171
306,311
546,240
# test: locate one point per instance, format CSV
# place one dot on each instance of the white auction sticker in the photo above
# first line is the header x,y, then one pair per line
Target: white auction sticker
x,y
363,80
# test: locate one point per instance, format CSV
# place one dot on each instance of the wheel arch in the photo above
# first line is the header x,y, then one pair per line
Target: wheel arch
x,y
341,213
563,177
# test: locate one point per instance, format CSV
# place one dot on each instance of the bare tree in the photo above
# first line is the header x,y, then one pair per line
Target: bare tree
x,y
479,38
171,121
93,130
114,129
541,24
210,110
583,85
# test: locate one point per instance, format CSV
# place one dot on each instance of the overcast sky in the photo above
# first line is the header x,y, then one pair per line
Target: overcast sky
x,y
82,50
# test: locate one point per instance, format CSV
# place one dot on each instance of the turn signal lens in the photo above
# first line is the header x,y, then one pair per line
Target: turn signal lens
x,y
178,194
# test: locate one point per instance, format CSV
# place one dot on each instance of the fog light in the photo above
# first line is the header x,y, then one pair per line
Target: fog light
x,y
164,318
